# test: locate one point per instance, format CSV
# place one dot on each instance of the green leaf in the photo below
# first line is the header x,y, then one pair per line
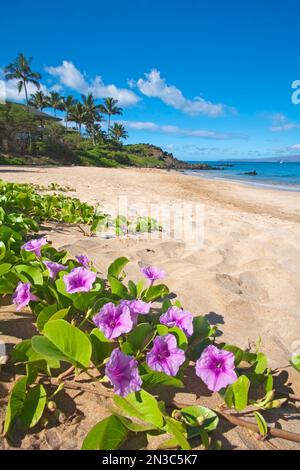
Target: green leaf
x,y
138,338
202,329
2,250
44,315
117,287
65,342
108,434
135,427
33,407
59,315
24,352
4,268
261,364
141,405
101,346
180,336
132,289
155,292
295,361
117,267
33,274
200,416
240,390
139,288
159,378
162,330
15,403
238,353
176,429
262,425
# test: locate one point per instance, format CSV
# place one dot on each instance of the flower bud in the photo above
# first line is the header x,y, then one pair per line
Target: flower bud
x,y
51,406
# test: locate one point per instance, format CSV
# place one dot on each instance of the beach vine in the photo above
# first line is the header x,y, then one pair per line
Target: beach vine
x,y
122,340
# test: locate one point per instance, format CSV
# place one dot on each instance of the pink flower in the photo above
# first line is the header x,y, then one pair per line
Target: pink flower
x,y
22,295
137,307
79,280
113,320
35,245
152,273
178,317
122,371
165,356
216,368
83,260
54,268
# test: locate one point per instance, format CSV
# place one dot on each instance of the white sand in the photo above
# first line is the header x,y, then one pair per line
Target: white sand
x,y
246,277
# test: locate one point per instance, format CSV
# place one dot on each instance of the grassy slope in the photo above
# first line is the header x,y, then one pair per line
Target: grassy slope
x,y
105,155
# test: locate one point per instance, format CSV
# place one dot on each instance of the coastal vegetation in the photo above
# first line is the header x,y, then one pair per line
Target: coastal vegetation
x,y
123,340
75,132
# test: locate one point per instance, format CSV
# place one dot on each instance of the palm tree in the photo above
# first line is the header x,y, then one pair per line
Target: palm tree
x,y
69,103
39,100
95,132
109,107
20,70
56,102
118,132
78,115
93,115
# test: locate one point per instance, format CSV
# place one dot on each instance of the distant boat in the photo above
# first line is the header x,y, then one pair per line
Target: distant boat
x,y
281,162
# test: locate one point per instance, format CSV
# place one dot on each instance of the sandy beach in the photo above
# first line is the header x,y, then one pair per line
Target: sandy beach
x,y
245,278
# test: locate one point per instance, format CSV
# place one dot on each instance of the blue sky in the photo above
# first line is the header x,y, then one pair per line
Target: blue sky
x,y
204,79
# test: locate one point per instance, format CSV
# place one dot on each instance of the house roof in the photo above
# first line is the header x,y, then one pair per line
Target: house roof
x,y
37,114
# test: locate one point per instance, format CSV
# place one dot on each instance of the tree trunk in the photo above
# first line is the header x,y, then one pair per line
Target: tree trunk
x,y
26,96
108,125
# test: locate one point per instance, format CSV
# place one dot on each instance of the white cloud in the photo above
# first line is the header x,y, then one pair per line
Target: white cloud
x,y
9,90
169,129
71,77
153,85
281,123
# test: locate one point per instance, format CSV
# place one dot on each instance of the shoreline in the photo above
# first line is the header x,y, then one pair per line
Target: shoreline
x,y
263,184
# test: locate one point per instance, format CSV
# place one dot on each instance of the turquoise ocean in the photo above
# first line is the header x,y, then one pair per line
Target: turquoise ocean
x,y
284,176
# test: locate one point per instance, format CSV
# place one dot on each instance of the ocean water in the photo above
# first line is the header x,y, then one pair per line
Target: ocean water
x,y
284,176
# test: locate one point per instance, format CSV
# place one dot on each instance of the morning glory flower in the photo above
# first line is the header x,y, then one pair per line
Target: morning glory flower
x,y
216,368
22,295
83,260
35,246
113,320
165,356
79,280
54,268
122,371
152,273
175,316
137,307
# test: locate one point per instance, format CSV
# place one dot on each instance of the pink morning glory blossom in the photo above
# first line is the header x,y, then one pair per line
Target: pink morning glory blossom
x,y
113,320
22,295
175,316
35,246
83,260
152,273
122,371
79,280
54,268
165,356
216,368
137,307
